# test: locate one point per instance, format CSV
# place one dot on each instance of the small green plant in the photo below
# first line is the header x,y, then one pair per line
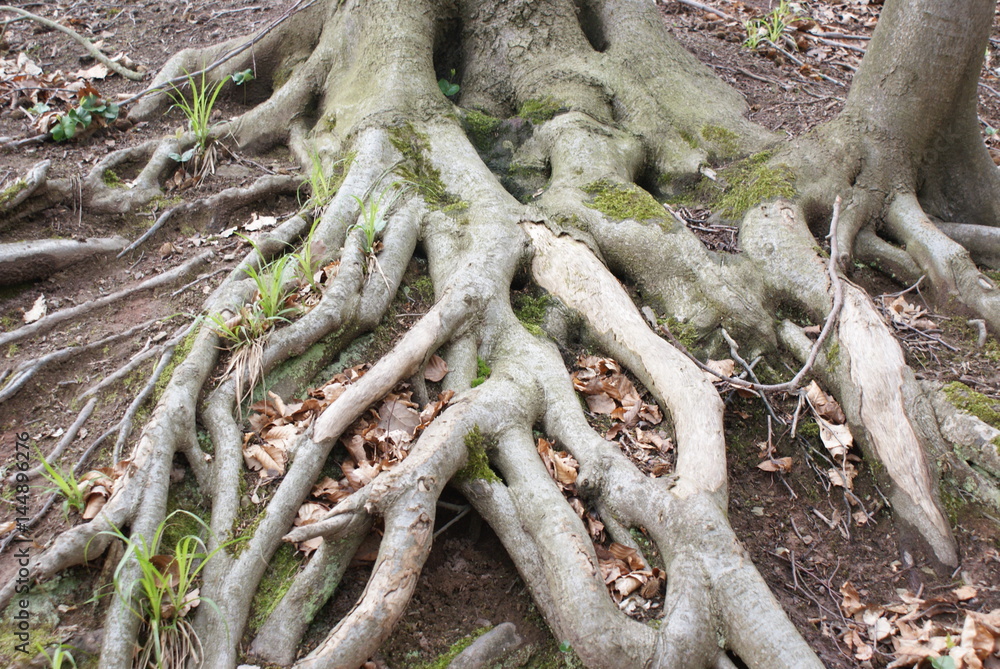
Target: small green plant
x,y
62,656
372,219
321,188
91,108
449,89
305,257
165,593
66,485
271,293
770,27
198,109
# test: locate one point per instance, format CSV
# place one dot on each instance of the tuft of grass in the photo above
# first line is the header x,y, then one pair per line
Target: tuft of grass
x,y
372,220
66,485
62,656
164,592
198,109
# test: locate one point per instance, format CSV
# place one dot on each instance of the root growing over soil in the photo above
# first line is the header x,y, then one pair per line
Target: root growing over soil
x,y
626,107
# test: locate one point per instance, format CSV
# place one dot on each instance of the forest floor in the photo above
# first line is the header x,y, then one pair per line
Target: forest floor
x,y
809,543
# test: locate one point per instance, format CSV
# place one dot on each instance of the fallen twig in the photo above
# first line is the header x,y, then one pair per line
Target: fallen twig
x,y
706,8
87,44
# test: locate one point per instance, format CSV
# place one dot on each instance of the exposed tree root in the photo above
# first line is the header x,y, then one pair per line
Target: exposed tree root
x,y
227,200
118,68
52,320
365,71
26,261
27,369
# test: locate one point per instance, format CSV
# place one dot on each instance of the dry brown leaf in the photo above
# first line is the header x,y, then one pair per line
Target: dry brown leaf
x,y
825,405
783,465
601,404
852,600
837,438
965,592
398,414
725,367
843,478
436,369
96,71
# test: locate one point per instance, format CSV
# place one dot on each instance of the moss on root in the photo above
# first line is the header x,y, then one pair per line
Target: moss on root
x,y
748,182
481,128
418,170
111,179
965,398
683,332
278,578
539,110
724,141
478,464
11,191
530,310
622,201
483,371
445,659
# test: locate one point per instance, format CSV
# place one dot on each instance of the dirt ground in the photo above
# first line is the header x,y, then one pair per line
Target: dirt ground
x,y
798,530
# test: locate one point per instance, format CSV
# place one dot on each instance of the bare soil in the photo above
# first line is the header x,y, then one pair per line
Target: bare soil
x,y
468,582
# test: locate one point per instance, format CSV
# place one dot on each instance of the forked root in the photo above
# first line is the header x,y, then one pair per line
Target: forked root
x,y
406,498
948,266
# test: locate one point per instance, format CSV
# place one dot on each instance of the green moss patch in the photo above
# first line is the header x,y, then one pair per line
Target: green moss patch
x,y
11,191
685,333
530,310
965,398
111,179
622,201
478,464
278,578
481,128
446,658
483,371
417,169
539,110
748,182
724,141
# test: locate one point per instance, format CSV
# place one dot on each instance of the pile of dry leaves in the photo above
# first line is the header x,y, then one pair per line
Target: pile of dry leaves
x,y
610,393
913,632
376,442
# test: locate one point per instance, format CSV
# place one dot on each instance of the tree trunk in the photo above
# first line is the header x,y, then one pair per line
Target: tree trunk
x,y
588,101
